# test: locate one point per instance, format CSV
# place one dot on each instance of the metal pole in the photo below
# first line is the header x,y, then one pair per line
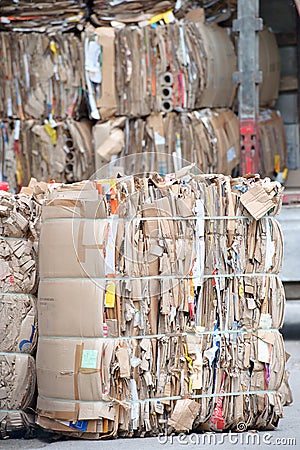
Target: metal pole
x,y
248,77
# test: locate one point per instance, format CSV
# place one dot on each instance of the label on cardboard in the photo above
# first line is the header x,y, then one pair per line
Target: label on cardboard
x,y
264,351
159,407
89,359
231,154
80,425
17,130
9,107
251,303
265,321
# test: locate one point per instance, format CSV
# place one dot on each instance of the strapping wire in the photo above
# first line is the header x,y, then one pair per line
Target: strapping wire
x,y
161,399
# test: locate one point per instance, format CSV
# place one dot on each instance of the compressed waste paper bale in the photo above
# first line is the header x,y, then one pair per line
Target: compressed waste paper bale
x,y
17,390
209,138
48,15
17,265
273,144
198,57
16,424
18,379
62,153
128,12
137,71
18,328
16,215
269,64
42,75
187,303
19,222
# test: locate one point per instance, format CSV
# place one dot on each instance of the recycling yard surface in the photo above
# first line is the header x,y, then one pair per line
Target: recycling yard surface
x,y
286,436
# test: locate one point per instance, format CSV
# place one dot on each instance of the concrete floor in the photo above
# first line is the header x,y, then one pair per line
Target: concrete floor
x,y
286,436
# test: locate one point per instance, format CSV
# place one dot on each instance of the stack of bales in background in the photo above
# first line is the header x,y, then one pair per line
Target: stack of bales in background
x,y
42,96
19,218
149,58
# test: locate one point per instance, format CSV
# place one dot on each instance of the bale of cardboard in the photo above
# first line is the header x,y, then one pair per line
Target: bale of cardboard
x,y
160,306
182,65
19,224
60,151
164,142
41,16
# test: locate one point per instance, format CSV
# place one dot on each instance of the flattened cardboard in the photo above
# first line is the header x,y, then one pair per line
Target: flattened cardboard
x,y
81,301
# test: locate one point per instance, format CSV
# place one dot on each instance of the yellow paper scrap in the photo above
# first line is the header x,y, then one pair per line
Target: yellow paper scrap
x,y
110,295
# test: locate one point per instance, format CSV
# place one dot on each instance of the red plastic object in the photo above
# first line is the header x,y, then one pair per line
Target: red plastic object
x,y
4,186
249,146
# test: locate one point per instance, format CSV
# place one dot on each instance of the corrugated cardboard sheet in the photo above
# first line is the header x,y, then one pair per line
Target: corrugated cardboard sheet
x,y
164,302
99,54
208,138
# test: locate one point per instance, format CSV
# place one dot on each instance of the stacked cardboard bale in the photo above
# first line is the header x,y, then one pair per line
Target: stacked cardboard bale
x,y
156,76
63,152
133,12
41,76
150,71
209,138
18,328
273,145
162,65
157,310
41,104
179,66
47,15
